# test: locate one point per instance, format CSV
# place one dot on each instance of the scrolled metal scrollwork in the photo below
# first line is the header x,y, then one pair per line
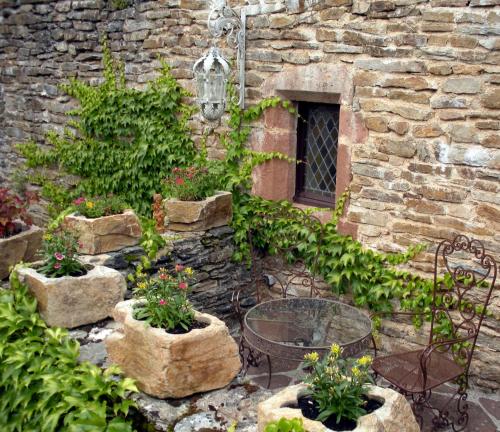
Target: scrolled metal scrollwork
x,y
224,21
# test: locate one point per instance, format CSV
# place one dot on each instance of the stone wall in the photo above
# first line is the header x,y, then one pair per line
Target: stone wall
x,y
418,82
208,253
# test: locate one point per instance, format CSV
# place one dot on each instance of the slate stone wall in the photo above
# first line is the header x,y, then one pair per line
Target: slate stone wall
x,y
208,253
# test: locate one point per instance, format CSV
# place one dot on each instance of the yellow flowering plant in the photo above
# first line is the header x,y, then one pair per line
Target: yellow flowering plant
x,y
96,207
336,384
166,303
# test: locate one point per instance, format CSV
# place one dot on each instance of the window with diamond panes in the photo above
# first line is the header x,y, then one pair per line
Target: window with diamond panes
x,y
317,141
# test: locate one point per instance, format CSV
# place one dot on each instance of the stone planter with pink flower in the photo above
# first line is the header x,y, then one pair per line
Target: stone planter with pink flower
x,y
70,293
194,203
170,349
102,227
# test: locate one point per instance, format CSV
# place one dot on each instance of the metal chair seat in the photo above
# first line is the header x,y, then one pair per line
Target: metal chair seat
x,y
405,371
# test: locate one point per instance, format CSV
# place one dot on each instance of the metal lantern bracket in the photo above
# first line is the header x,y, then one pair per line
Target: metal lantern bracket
x,y
212,70
225,21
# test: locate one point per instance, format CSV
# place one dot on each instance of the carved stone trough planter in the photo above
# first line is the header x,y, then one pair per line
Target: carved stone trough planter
x,y
211,212
74,301
169,365
395,415
20,247
104,234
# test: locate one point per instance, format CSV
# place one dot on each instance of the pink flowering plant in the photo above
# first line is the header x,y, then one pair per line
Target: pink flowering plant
x,y
59,251
191,183
166,303
95,207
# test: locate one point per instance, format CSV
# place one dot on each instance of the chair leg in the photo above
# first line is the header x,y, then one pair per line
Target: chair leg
x,y
462,419
419,401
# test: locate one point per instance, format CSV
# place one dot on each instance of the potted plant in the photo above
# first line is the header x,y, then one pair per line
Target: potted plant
x,y
170,349
103,224
193,202
337,396
19,239
69,293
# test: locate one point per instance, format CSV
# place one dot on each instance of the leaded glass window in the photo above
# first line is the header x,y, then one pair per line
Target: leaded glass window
x,y
317,141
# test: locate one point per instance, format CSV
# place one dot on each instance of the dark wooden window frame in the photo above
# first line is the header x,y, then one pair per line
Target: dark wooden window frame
x,y
301,196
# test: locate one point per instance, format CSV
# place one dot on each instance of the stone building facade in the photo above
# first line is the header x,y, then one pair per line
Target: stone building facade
x,y
416,82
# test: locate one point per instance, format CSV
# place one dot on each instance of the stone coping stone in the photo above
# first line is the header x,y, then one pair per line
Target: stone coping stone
x,y
20,247
105,234
394,416
173,365
214,211
75,301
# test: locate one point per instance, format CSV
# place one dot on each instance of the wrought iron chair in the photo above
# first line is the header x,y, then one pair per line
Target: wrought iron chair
x,y
459,304
276,270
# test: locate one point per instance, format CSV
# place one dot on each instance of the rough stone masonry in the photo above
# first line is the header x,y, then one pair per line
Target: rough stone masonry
x,y
418,82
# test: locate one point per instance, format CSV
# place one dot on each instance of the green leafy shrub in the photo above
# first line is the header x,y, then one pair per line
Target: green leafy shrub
x,y
336,384
285,425
166,304
60,256
191,183
96,207
126,139
43,387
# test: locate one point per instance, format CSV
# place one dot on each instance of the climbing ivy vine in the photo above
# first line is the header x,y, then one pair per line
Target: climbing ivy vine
x,y
119,140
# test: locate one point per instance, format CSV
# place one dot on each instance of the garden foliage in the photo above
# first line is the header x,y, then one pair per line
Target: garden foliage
x,y
285,425
190,184
60,255
96,207
166,304
337,384
122,140
43,386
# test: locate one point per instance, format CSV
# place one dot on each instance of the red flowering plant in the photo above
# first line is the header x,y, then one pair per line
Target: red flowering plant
x,y
190,184
13,207
166,303
59,251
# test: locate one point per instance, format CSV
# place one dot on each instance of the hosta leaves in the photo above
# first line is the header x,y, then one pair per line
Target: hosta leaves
x,y
42,385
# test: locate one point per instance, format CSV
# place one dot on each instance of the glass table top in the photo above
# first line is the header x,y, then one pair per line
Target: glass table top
x,y
301,325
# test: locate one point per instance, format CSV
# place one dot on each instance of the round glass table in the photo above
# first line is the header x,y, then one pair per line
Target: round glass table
x,y
289,328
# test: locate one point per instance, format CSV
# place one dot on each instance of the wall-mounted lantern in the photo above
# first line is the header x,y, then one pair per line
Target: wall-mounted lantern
x,y
212,70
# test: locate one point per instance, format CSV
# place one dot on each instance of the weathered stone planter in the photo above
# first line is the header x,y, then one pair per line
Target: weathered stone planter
x,y
394,416
173,365
74,301
19,247
105,234
212,212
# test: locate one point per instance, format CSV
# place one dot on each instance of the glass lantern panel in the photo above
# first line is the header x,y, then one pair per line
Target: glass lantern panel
x,y
216,83
201,83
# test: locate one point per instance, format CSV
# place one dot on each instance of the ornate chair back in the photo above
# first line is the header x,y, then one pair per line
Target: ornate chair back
x,y
460,299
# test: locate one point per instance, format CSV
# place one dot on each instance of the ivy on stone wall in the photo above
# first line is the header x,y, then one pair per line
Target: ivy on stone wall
x,y
126,140
122,140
